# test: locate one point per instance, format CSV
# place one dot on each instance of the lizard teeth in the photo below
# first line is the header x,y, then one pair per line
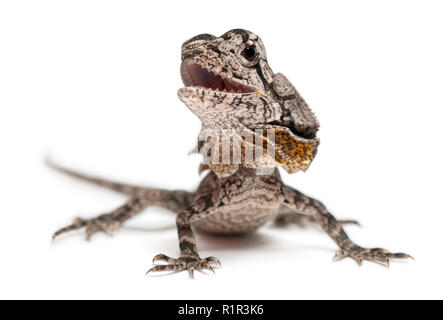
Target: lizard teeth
x,y
194,75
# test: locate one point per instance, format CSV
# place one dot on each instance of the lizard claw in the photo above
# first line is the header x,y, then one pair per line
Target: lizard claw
x,y
190,263
165,258
213,260
104,223
379,255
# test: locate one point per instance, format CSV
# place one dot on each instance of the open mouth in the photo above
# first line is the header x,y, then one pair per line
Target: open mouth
x,y
194,75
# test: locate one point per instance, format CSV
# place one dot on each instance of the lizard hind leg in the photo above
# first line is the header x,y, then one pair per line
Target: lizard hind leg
x,y
106,222
140,198
285,217
174,200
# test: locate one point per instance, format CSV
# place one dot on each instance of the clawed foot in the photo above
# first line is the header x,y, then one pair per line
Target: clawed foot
x,y
377,255
104,223
189,263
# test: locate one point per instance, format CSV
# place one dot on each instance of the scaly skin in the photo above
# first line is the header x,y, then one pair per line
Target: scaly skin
x,y
229,85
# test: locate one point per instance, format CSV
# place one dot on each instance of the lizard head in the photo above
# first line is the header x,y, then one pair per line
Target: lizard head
x,y
227,64
229,85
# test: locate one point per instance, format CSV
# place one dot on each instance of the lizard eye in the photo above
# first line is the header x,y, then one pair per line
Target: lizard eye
x,y
249,53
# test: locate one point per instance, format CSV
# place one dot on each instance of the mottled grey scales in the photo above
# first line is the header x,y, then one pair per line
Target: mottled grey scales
x,y
229,85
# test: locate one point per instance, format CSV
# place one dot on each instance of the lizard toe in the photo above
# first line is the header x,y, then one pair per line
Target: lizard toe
x,y
190,263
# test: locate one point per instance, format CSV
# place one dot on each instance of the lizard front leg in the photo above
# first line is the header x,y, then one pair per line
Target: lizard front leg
x,y
189,258
300,202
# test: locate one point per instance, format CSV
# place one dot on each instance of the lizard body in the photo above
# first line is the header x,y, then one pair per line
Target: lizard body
x,y
229,85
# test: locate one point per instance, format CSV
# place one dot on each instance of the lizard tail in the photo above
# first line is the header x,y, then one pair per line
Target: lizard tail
x,y
116,186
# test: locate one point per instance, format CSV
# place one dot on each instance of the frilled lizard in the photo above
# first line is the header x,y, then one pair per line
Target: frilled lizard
x,y
229,85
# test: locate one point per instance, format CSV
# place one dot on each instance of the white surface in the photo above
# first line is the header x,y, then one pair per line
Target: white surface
x,y
94,83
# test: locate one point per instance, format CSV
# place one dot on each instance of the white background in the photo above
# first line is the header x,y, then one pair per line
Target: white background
x,y
94,84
